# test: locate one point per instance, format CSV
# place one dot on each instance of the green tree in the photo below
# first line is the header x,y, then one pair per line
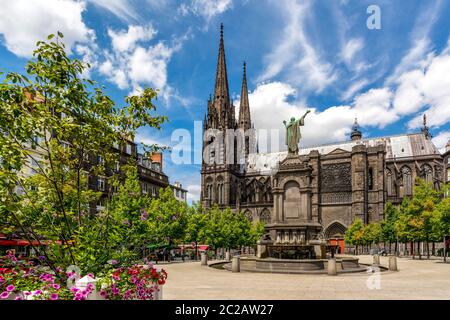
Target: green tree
x,y
441,218
167,219
197,222
389,233
354,234
53,123
415,221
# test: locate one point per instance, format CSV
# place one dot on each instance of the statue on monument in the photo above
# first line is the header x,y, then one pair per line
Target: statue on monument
x,y
293,133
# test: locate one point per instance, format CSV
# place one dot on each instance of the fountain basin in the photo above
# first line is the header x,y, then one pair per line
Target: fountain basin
x,y
308,266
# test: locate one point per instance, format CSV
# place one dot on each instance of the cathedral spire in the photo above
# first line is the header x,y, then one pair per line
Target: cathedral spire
x,y
244,109
221,86
425,130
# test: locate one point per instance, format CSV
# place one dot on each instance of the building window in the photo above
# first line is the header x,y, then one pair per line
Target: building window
x,y
427,173
265,217
100,160
144,188
370,179
101,184
407,180
389,183
85,177
156,166
101,204
128,148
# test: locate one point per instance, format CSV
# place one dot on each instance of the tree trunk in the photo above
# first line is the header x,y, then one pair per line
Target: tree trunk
x,y
412,249
433,249
418,249
428,249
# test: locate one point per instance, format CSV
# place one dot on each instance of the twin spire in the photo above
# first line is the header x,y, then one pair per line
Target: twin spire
x,y
221,86
221,91
244,108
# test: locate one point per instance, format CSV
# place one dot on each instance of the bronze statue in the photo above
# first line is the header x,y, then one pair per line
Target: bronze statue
x,y
293,133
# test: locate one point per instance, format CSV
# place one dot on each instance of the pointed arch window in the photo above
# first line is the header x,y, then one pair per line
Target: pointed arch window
x,y
265,216
389,183
407,180
427,173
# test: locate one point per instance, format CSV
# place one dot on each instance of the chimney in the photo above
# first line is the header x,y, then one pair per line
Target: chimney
x,y
157,157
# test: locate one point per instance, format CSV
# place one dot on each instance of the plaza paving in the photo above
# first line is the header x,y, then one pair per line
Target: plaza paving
x,y
415,280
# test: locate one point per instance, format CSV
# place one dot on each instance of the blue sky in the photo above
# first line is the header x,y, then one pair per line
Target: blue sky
x,y
300,55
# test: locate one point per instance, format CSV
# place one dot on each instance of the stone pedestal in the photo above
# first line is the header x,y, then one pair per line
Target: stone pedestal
x,y
261,248
204,259
236,264
393,263
376,259
319,248
227,255
332,267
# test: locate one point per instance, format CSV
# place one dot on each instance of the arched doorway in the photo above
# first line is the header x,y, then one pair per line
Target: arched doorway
x,y
334,233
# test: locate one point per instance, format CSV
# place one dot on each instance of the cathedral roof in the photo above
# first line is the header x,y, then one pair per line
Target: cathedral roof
x,y
398,146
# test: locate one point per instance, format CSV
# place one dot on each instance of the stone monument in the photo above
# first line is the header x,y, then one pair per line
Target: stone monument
x,y
293,224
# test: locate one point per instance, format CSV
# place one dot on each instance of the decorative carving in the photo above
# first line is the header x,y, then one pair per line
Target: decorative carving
x,y
336,177
336,197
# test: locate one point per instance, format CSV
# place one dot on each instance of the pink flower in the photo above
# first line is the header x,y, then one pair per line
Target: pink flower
x,y
18,298
10,288
54,296
4,295
56,286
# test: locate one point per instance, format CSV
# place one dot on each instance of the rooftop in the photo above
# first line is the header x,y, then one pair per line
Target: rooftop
x,y
398,146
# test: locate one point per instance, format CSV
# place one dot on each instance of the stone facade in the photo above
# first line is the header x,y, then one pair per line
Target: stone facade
x,y
324,187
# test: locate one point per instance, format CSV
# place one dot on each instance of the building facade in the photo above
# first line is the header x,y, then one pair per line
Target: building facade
x,y
324,187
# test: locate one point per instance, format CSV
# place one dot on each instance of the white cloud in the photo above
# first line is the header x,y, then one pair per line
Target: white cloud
x,y
295,56
208,9
23,23
350,49
373,108
425,87
126,40
193,192
123,9
275,98
441,140
354,88
133,63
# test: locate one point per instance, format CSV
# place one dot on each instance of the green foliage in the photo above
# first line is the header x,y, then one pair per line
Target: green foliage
x,y
228,229
53,120
167,218
441,219
389,233
353,235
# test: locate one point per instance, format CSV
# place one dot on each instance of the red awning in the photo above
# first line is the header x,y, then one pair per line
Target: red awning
x,y
203,247
24,243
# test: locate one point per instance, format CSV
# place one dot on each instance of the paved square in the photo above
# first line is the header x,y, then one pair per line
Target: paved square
x,y
417,279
